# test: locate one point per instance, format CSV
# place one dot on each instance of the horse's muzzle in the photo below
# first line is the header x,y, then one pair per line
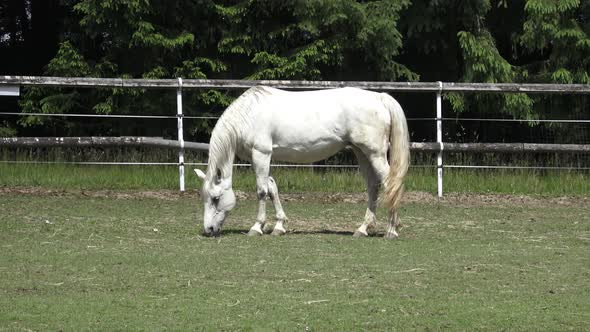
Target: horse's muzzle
x,y
212,231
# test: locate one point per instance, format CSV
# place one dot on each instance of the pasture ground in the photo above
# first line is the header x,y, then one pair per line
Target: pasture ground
x,y
88,260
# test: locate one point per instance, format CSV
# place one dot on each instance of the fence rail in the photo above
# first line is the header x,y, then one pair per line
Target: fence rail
x,y
87,82
10,85
27,142
500,147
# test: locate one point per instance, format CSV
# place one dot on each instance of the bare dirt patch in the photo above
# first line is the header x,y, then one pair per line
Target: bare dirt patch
x,y
470,199
459,199
118,194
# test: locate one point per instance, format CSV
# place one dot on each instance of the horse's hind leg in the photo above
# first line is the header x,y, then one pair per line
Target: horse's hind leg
x,y
381,169
394,223
370,221
273,192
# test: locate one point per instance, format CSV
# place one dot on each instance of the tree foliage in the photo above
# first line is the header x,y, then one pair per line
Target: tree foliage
x,y
313,39
390,40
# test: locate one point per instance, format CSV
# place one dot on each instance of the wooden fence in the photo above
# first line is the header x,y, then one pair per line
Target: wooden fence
x,y
85,82
10,85
28,142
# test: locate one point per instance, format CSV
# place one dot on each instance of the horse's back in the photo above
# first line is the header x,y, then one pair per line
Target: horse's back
x,y
313,125
306,107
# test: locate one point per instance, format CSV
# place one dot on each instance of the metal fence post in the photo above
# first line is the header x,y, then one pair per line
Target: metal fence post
x,y
179,117
439,166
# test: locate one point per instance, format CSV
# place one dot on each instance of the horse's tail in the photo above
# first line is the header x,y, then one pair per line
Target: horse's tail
x,y
399,154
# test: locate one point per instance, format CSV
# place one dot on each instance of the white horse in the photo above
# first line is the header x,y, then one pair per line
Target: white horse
x,y
304,127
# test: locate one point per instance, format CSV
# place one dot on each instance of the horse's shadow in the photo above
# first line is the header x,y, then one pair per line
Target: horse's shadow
x,y
297,232
320,231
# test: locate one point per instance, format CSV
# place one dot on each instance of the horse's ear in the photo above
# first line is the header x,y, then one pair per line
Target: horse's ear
x,y
200,174
218,175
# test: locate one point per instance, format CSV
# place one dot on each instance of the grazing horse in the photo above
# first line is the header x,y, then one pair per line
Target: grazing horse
x,y
304,127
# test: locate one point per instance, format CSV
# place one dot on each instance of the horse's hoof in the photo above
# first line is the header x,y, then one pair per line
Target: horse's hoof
x,y
359,234
391,235
254,233
266,229
277,232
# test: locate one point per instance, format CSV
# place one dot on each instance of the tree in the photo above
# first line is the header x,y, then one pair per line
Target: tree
x,y
333,39
547,44
391,40
198,39
29,31
500,41
130,38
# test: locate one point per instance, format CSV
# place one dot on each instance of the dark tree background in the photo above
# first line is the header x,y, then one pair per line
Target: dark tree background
x,y
386,40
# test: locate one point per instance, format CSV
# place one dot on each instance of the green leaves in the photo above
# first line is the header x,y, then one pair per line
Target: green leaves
x,y
548,22
146,36
69,63
389,40
563,76
483,62
106,12
556,27
199,67
303,64
309,39
548,42
132,39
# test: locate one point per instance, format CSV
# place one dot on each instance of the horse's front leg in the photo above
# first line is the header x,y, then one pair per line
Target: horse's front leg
x,y
261,165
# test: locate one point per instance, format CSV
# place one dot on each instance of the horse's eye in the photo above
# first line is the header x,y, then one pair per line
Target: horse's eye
x,y
215,200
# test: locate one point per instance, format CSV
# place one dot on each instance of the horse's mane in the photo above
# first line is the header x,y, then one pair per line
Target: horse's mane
x,y
229,128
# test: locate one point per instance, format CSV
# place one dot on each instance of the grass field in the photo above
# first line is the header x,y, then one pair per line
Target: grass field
x,y
123,261
93,177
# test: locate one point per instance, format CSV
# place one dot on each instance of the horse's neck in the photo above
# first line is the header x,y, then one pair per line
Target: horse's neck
x,y
225,164
230,131
222,154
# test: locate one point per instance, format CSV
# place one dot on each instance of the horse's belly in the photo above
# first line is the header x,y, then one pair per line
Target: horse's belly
x,y
306,153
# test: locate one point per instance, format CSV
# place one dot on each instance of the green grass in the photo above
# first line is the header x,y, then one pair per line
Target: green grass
x,y
73,262
528,182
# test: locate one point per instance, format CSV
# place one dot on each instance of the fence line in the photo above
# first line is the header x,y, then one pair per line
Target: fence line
x,y
518,120
176,164
87,82
100,141
75,115
82,115
116,163
10,85
519,167
204,147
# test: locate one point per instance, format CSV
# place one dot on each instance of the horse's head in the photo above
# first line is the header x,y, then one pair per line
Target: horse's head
x,y
218,198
